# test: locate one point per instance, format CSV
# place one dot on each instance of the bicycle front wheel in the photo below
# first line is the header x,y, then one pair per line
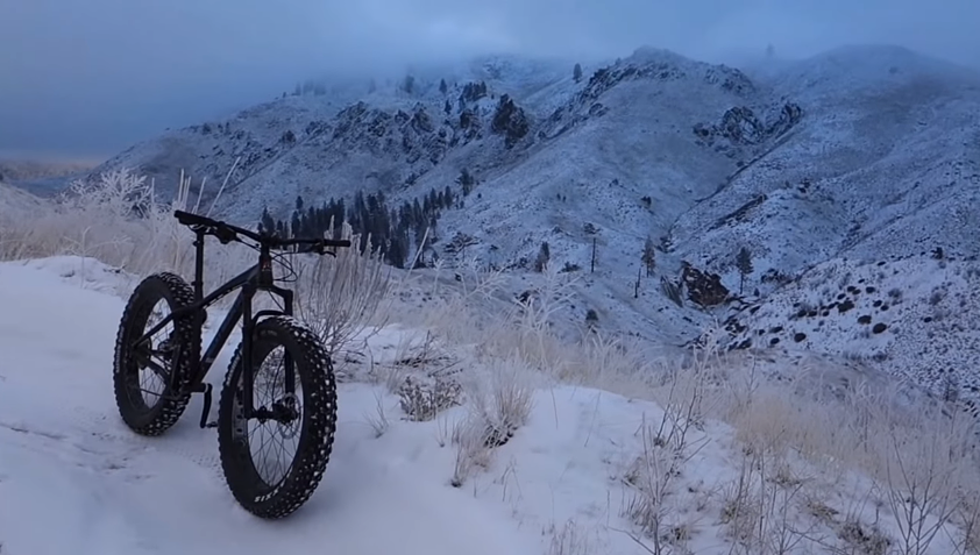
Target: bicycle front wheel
x,y
295,410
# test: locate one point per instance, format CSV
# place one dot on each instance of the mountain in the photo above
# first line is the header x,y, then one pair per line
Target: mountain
x,y
849,179
15,199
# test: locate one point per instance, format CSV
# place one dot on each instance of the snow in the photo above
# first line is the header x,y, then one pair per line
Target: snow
x,y
74,479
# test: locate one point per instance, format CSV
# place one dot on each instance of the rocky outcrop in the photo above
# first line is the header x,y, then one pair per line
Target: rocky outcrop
x,y
602,80
703,289
740,214
413,136
662,68
741,127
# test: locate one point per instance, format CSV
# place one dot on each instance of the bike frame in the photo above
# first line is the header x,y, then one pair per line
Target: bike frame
x,y
257,278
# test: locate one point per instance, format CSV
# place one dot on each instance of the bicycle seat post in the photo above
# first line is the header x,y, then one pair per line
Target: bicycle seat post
x,y
198,283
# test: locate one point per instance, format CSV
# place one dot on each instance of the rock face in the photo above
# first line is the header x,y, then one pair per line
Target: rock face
x,y
703,289
741,127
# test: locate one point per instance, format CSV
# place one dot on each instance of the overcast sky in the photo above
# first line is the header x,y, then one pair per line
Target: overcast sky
x,y
89,77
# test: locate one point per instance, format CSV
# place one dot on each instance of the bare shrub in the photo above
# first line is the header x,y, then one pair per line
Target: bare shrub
x,y
500,403
118,220
339,296
503,401
651,478
469,437
921,484
967,520
763,506
379,420
568,540
422,401
667,447
862,539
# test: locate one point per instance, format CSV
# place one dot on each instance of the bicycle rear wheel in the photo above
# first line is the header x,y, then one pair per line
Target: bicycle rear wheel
x,y
146,380
305,420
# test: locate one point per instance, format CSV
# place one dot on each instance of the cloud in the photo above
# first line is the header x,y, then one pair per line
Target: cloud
x,y
90,76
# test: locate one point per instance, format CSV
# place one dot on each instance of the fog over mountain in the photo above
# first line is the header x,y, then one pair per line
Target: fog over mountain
x,y
86,79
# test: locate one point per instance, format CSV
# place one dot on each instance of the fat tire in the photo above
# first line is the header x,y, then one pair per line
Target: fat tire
x,y
155,420
314,371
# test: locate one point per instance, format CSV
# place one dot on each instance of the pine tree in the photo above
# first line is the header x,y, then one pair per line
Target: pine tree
x,y
544,255
649,257
443,88
267,224
743,261
295,224
577,73
466,181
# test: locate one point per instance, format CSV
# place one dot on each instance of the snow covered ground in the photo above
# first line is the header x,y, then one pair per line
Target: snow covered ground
x,y
582,476
74,480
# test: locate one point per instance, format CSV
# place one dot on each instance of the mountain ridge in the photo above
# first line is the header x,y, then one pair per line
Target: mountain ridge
x,y
848,159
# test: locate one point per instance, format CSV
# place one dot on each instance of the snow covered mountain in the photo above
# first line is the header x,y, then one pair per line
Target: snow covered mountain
x,y
846,177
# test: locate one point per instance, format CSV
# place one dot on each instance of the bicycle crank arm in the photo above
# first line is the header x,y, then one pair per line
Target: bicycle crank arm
x,y
205,388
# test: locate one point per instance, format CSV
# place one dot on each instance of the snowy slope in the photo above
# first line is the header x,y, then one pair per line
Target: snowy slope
x,y
14,199
889,142
858,155
73,479
912,316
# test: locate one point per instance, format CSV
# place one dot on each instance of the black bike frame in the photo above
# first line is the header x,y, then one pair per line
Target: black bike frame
x,y
257,278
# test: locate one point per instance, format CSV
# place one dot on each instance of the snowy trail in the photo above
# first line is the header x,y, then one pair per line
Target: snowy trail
x,y
73,479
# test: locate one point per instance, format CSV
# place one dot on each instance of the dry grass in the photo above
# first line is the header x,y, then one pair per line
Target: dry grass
x,y
120,222
913,467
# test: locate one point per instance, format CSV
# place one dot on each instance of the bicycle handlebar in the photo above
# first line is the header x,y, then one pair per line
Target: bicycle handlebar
x,y
226,233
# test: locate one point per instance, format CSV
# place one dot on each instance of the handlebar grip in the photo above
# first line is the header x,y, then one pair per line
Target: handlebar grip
x,y
336,243
186,218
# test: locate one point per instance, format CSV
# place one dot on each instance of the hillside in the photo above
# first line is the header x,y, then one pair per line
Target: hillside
x,y
820,168
586,471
